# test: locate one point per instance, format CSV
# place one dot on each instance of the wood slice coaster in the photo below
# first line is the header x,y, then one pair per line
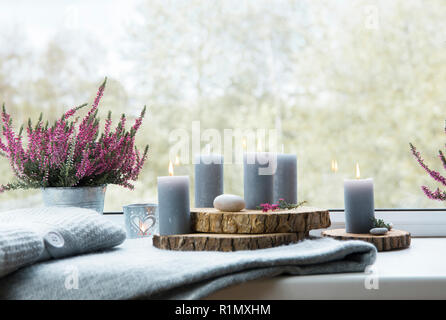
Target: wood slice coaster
x,y
302,219
392,240
224,242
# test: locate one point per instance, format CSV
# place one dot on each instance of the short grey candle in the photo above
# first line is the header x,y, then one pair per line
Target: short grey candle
x,y
285,179
173,205
359,205
208,179
258,180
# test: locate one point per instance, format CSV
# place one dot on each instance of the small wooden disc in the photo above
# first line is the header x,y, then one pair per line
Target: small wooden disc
x,y
302,219
392,240
224,242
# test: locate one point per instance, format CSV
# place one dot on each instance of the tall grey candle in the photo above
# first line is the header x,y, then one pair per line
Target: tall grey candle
x,y
359,205
258,178
285,178
173,205
208,179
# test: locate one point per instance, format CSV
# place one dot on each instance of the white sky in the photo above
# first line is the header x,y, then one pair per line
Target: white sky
x,y
42,20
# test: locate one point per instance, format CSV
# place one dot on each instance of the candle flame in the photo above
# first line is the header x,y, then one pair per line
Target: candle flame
x,y
259,145
244,143
142,227
177,161
358,172
208,149
170,168
334,166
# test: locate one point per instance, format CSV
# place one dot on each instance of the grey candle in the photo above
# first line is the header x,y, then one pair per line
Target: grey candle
x,y
285,179
258,178
359,205
208,179
173,205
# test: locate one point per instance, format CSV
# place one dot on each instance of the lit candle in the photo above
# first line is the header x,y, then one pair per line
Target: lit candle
x,y
208,179
173,204
359,204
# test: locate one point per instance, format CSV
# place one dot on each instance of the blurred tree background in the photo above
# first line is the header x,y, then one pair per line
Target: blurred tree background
x,y
354,81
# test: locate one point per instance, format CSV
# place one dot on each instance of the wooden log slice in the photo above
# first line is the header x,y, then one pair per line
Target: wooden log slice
x,y
302,219
392,240
224,242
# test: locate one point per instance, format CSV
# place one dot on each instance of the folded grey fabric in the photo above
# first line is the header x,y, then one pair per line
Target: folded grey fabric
x,y
18,247
137,270
66,231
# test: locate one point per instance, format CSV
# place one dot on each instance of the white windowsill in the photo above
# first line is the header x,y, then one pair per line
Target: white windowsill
x,y
418,272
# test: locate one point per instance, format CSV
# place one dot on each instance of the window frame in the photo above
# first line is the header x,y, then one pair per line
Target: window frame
x,y
419,222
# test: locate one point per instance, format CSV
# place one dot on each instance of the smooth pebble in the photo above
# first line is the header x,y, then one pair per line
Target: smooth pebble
x,y
378,231
229,202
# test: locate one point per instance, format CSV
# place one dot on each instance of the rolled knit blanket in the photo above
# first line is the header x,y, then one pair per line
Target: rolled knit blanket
x,y
19,247
64,231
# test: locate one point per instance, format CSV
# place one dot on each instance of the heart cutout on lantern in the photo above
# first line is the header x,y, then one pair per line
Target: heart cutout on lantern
x,y
142,225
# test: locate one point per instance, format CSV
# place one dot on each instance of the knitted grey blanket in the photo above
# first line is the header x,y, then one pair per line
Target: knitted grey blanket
x,y
38,234
18,247
137,270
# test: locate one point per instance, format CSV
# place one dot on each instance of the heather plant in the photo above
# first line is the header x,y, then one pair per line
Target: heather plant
x,y
437,194
71,153
280,205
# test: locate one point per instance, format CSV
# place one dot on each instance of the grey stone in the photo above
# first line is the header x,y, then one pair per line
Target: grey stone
x,y
229,202
378,231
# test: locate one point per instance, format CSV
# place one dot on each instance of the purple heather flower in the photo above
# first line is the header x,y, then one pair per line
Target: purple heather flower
x,y
51,151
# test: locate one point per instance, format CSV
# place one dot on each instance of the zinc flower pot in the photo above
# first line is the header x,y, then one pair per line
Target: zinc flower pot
x,y
81,197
